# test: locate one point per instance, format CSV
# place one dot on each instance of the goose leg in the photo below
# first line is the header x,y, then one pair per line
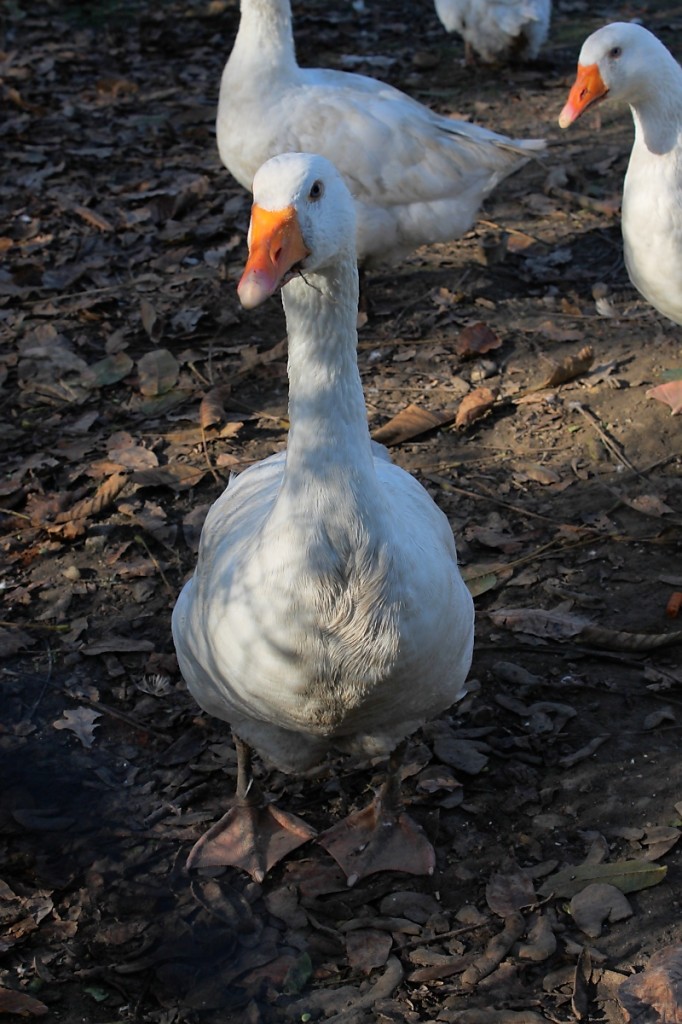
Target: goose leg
x,y
253,835
381,837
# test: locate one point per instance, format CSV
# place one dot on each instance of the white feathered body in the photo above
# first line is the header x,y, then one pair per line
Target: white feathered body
x,y
498,29
416,176
645,75
327,609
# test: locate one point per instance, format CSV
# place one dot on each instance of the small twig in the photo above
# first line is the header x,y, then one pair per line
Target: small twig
x,y
487,497
611,444
113,713
586,202
207,457
442,936
19,515
38,700
62,627
156,564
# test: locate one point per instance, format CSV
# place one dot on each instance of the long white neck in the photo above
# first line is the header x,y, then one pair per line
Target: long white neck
x,y
657,111
265,33
329,449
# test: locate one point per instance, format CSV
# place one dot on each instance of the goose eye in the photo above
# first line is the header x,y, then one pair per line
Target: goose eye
x,y
316,191
615,52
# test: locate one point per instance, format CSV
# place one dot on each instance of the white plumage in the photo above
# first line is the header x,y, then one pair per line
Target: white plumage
x,y
498,29
416,177
327,610
626,62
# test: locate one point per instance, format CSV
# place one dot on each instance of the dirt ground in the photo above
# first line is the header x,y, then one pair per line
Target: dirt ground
x,y
133,384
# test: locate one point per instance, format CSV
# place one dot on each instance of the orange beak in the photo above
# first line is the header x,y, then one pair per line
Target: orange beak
x,y
587,89
275,246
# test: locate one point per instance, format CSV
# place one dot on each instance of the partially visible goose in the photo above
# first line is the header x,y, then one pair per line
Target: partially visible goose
x,y
327,610
497,29
416,177
626,62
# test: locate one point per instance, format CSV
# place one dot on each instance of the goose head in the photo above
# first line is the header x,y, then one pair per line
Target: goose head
x,y
302,222
621,60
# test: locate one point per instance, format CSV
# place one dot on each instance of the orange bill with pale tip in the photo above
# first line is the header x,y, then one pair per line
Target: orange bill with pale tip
x,y
275,247
586,90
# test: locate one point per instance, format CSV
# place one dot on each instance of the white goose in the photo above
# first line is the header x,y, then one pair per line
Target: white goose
x,y
416,177
327,610
497,29
626,62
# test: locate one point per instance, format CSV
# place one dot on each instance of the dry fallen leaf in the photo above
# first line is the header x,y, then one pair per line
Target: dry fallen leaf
x,y
570,368
509,891
476,339
670,393
212,409
475,405
158,372
597,903
20,1004
655,995
80,721
410,422
626,875
368,948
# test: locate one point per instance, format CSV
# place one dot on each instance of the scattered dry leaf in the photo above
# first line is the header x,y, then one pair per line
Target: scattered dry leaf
x,y
655,995
626,875
158,372
570,368
475,405
410,422
20,1004
82,722
476,339
597,903
670,393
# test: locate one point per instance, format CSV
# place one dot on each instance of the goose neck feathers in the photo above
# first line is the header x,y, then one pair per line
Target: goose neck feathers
x,y
636,68
265,32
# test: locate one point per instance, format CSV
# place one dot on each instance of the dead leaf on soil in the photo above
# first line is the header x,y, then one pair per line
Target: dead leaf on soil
x,y
212,409
150,319
475,405
13,640
596,904
20,1004
368,948
82,722
659,839
540,942
626,875
655,995
560,626
101,499
482,578
497,949
670,393
410,422
476,339
109,370
537,474
118,645
570,368
180,476
158,372
509,891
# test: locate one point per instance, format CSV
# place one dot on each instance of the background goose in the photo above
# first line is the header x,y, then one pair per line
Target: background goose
x,y
626,62
416,177
497,29
327,610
